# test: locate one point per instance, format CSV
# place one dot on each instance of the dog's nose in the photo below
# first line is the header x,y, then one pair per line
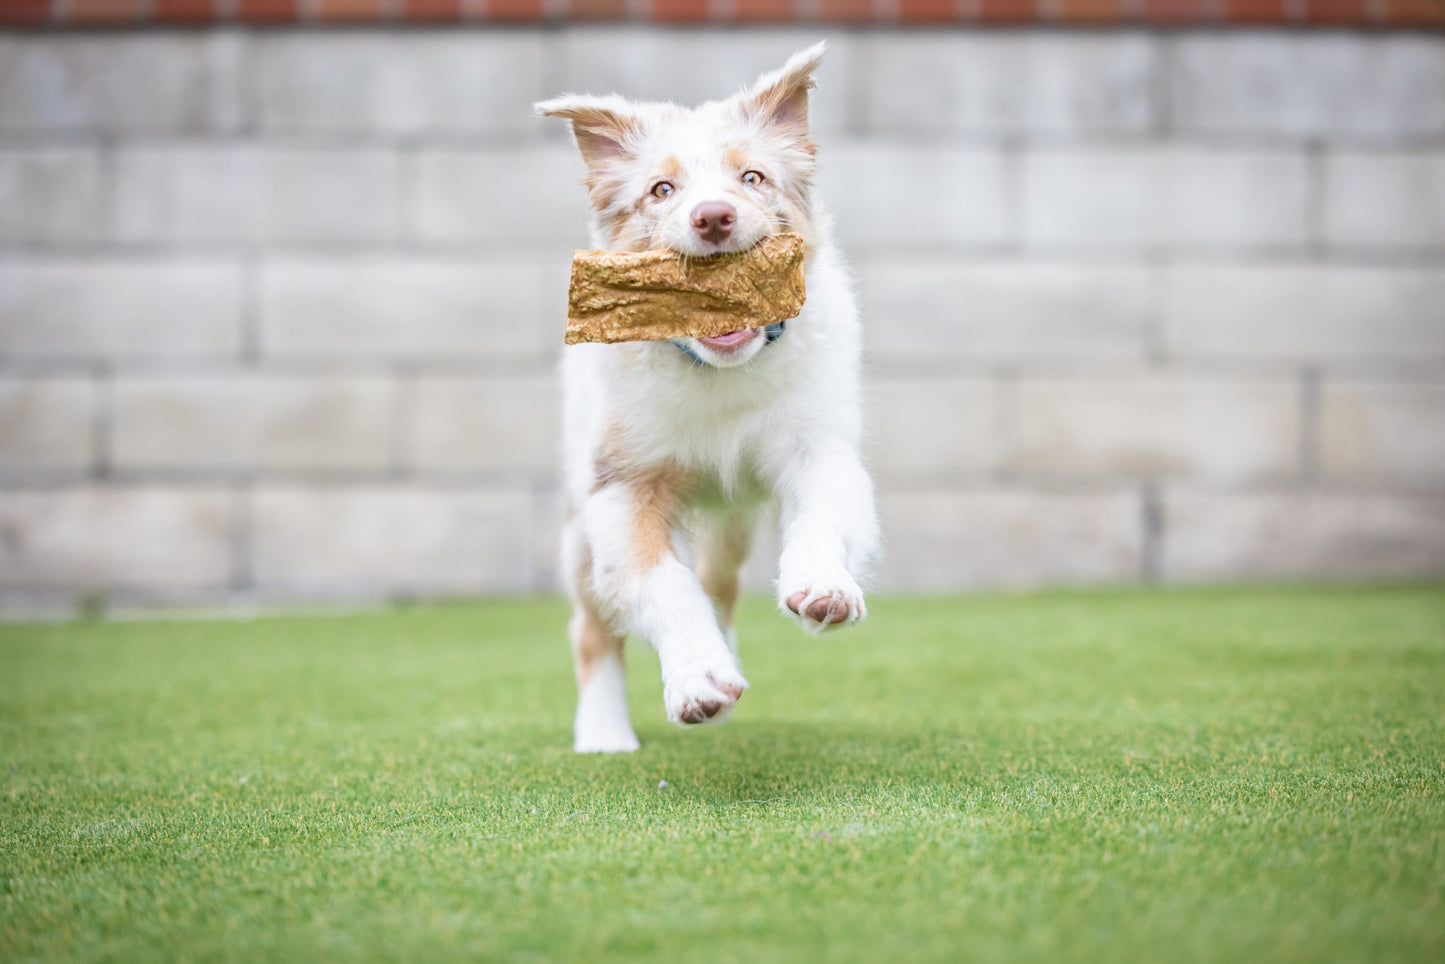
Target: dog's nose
x,y
714,220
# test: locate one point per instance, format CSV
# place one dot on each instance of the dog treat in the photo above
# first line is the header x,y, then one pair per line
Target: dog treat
x,y
658,295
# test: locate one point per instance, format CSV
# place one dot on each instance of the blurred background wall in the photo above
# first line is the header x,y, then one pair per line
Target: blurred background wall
x,y
280,307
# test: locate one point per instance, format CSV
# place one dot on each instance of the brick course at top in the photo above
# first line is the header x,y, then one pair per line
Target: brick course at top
x,y
1429,14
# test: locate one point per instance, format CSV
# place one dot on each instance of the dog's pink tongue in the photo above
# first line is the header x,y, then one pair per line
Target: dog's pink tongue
x,y
730,340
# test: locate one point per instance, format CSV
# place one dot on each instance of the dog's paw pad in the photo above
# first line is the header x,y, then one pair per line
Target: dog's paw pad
x,y
698,696
826,603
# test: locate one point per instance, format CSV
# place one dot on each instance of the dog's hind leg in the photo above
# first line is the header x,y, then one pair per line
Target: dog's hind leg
x,y
602,724
723,543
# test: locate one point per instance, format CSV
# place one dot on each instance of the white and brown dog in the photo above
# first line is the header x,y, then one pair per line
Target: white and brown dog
x,y
691,439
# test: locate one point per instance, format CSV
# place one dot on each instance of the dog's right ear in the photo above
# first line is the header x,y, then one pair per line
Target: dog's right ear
x,y
605,127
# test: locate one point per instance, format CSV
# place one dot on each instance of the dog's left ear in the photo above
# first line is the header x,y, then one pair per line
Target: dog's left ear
x,y
780,99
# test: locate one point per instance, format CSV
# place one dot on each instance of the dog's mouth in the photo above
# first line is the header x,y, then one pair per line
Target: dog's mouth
x,y
710,251
732,341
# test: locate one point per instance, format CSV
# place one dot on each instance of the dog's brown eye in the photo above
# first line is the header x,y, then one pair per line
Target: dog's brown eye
x,y
752,178
662,189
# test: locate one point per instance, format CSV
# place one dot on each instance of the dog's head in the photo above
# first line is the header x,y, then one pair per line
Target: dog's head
x,y
710,180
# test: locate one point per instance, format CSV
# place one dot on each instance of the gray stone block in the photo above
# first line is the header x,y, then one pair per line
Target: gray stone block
x,y
1394,201
1291,535
119,83
507,424
1305,313
1016,289
1340,87
504,195
951,540
374,541
50,195
47,425
884,194
1163,197
108,308
1383,433
1010,84
253,423
545,533
931,429
94,538
256,194
691,66
416,82
1219,431
928,310
411,308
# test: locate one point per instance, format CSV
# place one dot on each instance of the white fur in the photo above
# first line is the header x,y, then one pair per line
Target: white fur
x,y
777,422
602,725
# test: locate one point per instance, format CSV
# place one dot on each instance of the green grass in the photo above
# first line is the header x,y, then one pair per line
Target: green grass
x,y
1240,776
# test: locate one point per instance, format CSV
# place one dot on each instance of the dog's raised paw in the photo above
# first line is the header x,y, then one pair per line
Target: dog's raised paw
x,y
702,695
825,603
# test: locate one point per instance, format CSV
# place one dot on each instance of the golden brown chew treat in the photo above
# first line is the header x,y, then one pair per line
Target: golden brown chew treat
x,y
657,295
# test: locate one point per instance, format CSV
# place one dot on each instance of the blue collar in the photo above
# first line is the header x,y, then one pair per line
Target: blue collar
x,y
772,332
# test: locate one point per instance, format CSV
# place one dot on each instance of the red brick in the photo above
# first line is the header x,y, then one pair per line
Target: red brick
x,y
764,11
846,11
431,10
926,11
349,11
183,11
1338,12
599,9
680,11
1089,11
266,11
24,11
1007,11
1414,12
103,11
514,10
1174,11
1255,11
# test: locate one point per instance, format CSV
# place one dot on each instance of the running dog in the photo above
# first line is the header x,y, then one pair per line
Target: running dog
x,y
685,444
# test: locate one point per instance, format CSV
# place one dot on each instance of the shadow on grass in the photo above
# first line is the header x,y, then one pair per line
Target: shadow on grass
x,y
777,760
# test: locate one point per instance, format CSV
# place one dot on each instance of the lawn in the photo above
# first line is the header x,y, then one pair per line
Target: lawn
x,y
1209,775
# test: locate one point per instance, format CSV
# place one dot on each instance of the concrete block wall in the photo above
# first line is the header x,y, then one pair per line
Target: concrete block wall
x,y
279,311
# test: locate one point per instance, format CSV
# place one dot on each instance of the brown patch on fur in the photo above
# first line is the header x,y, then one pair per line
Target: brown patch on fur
x,y
735,158
723,546
604,471
604,186
607,462
625,225
618,218
794,216
721,586
592,639
657,493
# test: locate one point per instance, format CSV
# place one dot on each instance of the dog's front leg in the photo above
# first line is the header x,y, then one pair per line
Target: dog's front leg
x,y
629,527
830,535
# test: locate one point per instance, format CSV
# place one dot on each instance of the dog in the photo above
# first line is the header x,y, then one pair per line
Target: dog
x,y
692,441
